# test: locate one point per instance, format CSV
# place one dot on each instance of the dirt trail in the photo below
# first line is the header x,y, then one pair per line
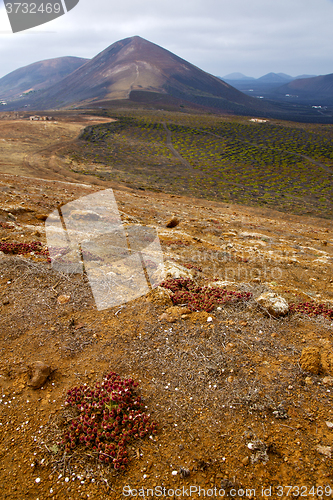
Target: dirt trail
x,y
30,147
173,150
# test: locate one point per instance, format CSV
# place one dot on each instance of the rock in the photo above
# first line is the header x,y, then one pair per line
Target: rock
x,y
160,296
184,472
325,450
318,359
11,216
173,222
63,299
41,216
39,372
310,360
329,425
178,311
170,270
308,380
246,460
167,317
273,303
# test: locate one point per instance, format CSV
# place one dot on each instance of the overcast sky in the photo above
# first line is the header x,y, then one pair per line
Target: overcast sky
x,y
219,36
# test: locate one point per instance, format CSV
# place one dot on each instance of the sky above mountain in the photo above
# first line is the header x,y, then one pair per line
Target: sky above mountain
x,y
219,36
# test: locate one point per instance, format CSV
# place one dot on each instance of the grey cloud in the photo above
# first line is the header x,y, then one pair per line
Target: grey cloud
x,y
218,36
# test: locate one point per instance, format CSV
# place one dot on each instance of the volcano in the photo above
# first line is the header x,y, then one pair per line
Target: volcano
x,y
136,69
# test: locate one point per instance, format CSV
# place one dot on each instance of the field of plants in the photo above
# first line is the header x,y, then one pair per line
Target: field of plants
x,y
282,165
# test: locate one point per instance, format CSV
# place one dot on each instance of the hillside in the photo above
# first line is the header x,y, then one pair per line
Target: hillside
x,y
137,65
38,76
317,90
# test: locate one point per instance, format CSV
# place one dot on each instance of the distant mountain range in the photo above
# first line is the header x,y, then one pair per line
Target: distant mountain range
x,y
270,77
302,89
38,76
134,70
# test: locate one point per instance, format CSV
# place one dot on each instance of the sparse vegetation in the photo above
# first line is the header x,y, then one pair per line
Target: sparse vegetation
x,y
201,298
289,168
110,415
23,248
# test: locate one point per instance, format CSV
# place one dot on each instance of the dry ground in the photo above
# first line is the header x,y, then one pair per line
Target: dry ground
x,y
213,387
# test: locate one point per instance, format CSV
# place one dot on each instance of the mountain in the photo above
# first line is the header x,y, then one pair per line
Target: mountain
x,y
237,76
317,90
274,78
37,76
137,69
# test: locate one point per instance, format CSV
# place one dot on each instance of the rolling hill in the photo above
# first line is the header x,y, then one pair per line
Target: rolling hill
x,y
317,90
38,76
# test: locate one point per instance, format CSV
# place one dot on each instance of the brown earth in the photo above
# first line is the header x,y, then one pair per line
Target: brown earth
x,y
231,400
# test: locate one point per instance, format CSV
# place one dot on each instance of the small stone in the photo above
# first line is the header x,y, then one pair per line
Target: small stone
x,y
173,222
170,270
184,472
273,303
177,311
328,380
39,373
167,317
329,425
63,299
246,460
174,472
324,450
11,216
310,359
308,380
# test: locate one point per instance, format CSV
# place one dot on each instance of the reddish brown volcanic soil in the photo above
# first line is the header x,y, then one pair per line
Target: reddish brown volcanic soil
x,y
231,400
